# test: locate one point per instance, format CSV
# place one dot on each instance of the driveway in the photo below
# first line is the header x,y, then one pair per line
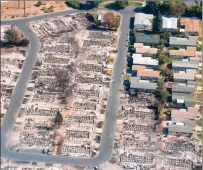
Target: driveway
x,y
106,145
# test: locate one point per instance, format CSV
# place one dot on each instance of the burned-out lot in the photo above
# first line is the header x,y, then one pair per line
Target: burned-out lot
x,y
138,142
64,106
11,66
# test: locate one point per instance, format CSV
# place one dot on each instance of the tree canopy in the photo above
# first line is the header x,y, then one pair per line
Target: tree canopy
x,y
74,4
13,36
121,4
173,7
94,4
157,23
92,17
194,11
152,6
176,8
112,21
164,59
58,119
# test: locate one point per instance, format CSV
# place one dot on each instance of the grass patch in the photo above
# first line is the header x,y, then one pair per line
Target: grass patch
x,y
109,72
111,5
199,80
126,77
199,135
110,60
199,122
198,97
135,4
104,4
199,38
200,70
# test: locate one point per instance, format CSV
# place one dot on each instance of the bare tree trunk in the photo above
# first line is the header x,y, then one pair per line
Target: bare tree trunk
x,y
24,8
18,4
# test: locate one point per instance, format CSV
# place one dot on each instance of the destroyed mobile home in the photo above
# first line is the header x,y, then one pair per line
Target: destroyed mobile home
x,y
65,105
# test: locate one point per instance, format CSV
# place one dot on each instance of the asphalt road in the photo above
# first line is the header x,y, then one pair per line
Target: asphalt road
x,y
106,145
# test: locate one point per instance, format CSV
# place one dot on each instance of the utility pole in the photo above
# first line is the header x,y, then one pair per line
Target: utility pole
x,y
24,8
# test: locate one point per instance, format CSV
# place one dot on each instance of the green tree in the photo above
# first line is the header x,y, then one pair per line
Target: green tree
x,y
160,83
13,36
39,3
157,23
194,11
74,4
165,36
165,95
164,59
92,17
130,61
121,4
176,8
164,8
58,119
117,22
94,4
152,6
111,20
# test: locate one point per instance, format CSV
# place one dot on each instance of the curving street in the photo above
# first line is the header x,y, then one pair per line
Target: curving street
x,y
106,145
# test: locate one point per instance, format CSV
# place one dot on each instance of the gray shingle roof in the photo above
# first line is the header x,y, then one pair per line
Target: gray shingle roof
x,y
185,64
183,76
180,129
186,128
193,83
143,38
137,84
190,41
182,96
183,88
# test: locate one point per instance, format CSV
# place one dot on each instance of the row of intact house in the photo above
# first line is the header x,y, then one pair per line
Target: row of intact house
x,y
144,22
182,119
144,76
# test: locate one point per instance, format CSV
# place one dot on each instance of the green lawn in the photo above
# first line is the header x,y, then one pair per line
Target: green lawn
x,y
104,4
199,80
135,4
126,77
199,135
198,97
111,5
199,122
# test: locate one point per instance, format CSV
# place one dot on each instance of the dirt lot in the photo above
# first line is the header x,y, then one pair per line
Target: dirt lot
x,y
10,10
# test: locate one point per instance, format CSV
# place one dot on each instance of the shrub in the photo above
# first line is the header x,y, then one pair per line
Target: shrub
x,y
50,9
39,3
121,4
13,36
74,4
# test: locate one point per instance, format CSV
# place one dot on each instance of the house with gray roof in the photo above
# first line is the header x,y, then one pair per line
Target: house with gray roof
x,y
147,39
183,100
184,65
142,85
183,77
192,83
190,41
180,127
183,88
